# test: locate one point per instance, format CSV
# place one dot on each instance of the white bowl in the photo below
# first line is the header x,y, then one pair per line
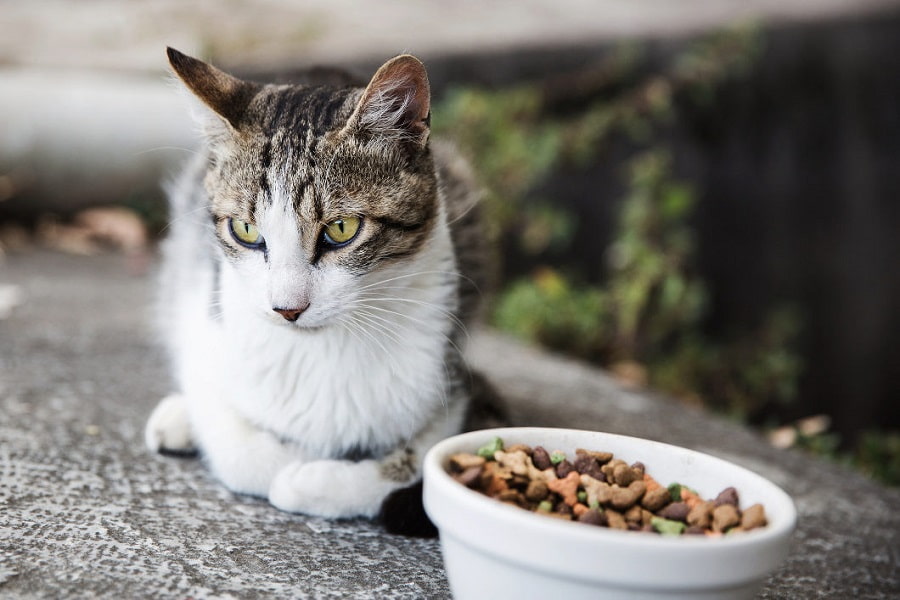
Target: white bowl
x,y
493,550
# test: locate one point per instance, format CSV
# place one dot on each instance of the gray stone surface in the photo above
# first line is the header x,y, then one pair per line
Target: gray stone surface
x,y
85,511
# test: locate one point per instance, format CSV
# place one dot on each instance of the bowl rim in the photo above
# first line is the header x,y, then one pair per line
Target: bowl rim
x,y
442,491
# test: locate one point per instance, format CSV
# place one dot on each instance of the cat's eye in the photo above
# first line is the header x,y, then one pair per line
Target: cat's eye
x,y
245,233
341,231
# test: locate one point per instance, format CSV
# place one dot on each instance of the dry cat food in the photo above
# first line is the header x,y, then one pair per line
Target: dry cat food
x,y
598,489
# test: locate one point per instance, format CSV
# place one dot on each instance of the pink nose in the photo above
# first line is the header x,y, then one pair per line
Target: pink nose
x,y
291,314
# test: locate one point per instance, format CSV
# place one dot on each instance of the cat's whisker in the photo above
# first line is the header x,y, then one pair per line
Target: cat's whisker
x,y
430,305
380,324
420,322
418,274
183,217
380,345
193,151
384,325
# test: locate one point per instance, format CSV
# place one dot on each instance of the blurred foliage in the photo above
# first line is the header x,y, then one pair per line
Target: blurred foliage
x,y
650,307
878,455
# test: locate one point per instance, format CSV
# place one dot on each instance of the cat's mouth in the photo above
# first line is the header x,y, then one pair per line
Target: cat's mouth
x,y
301,321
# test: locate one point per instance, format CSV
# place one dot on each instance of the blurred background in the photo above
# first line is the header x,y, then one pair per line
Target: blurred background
x,y
702,197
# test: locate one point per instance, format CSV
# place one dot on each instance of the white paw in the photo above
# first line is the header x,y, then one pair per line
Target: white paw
x,y
330,488
168,428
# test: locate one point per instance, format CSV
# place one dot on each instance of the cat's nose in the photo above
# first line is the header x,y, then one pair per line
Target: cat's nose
x,y
291,314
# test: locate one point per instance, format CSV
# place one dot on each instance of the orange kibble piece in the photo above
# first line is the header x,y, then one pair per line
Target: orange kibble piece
x,y
690,498
652,484
567,487
496,485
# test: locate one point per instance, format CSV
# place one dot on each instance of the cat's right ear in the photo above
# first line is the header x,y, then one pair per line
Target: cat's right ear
x,y
227,96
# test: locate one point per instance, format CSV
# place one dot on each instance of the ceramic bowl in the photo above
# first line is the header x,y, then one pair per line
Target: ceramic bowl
x,y
493,550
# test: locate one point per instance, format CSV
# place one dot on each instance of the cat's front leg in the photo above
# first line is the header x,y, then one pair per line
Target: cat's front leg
x,y
342,488
168,430
346,488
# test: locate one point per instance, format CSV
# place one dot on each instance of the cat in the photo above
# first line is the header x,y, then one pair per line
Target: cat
x,y
320,270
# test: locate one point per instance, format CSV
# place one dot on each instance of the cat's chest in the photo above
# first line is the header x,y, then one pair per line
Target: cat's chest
x,y
341,387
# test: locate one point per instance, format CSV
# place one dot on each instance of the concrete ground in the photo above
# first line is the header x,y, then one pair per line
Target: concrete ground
x,y
85,511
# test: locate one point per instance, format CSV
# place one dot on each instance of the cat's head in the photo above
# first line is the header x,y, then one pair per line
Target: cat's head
x,y
316,191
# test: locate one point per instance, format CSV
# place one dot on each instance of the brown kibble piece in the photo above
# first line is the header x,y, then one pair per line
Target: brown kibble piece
x,y
563,508
610,467
753,517
600,457
537,490
520,482
655,499
624,498
493,468
633,514
727,496
593,517
563,469
695,530
676,511
461,462
701,515
588,465
520,448
567,487
541,458
615,519
646,517
598,492
516,462
559,515
470,477
624,475
724,517
511,496
579,509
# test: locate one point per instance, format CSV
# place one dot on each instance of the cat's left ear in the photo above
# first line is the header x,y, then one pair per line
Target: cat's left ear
x,y
396,105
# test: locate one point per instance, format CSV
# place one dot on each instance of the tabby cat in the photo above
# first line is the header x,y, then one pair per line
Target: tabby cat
x,y
319,272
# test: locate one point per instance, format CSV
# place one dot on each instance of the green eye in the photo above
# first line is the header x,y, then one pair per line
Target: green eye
x,y
341,231
245,233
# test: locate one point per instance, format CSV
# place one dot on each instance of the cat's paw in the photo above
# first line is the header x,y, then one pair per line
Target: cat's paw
x,y
330,488
169,430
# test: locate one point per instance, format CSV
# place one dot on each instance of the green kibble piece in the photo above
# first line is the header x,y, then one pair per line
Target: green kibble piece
x,y
594,505
557,457
667,527
582,496
487,451
545,506
675,491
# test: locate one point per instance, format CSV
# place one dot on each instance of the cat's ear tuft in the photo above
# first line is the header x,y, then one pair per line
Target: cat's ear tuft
x,y
226,95
396,105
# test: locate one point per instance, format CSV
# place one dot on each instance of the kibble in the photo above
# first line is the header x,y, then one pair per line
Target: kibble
x,y
595,488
